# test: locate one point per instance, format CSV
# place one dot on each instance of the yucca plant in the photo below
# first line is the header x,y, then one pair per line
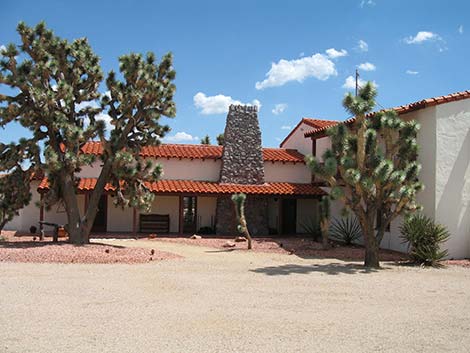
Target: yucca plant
x,y
239,202
424,238
312,228
347,230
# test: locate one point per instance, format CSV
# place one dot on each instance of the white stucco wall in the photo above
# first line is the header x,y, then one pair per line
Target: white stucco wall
x,y
187,169
119,219
453,174
323,144
298,142
287,172
206,211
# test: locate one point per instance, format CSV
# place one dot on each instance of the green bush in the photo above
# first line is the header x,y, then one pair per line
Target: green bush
x,y
424,238
347,230
312,228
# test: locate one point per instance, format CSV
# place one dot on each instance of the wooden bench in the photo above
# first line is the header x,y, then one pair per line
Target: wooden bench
x,y
155,223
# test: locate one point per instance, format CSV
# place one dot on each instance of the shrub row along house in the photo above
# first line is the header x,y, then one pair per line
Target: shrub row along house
x,y
198,180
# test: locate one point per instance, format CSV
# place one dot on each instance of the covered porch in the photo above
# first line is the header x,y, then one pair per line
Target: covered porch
x,y
183,207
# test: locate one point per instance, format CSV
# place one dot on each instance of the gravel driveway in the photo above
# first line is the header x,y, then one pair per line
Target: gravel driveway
x,y
232,301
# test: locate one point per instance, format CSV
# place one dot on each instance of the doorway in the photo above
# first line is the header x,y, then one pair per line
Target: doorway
x,y
189,214
101,219
289,216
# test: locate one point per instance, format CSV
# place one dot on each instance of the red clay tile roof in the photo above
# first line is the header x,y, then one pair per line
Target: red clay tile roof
x,y
208,187
200,152
403,109
314,123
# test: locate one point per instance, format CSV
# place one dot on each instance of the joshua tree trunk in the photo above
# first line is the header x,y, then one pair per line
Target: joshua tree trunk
x,y
371,259
246,232
325,225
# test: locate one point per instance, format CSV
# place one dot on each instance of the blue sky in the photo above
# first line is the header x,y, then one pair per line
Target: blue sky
x,y
296,55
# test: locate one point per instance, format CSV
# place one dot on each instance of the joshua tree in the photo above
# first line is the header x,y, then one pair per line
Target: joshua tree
x,y
325,214
239,201
372,167
220,139
54,85
206,140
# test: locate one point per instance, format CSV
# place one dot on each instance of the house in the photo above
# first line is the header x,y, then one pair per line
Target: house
x,y
444,140
198,180
196,187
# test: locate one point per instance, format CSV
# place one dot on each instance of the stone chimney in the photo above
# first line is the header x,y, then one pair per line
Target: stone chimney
x,y
242,157
242,163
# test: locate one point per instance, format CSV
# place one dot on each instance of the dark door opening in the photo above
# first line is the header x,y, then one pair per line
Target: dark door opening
x,y
99,225
289,216
189,214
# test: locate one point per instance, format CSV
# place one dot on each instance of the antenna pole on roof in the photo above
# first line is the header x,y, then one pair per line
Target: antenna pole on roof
x,y
357,80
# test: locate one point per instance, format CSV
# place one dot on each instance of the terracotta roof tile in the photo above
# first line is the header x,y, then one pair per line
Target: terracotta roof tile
x,y
403,109
208,187
314,123
199,152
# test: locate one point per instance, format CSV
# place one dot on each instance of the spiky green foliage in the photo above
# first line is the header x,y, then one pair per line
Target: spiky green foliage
x,y
14,194
312,228
220,139
372,166
206,140
239,202
425,239
56,97
347,230
14,181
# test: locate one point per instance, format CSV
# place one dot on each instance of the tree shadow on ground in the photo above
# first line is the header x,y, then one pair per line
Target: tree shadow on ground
x,y
334,268
39,244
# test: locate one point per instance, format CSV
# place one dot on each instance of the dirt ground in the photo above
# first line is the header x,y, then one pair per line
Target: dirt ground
x,y
217,300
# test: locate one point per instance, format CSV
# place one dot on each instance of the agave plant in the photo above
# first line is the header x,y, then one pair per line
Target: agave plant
x,y
312,228
424,238
346,230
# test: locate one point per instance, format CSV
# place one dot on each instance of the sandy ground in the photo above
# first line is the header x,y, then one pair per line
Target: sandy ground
x,y
232,301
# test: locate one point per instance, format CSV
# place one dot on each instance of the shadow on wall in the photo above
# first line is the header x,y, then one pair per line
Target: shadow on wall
x,y
451,202
329,269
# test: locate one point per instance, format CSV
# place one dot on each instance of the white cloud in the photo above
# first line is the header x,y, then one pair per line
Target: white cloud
x,y
350,83
460,29
367,66
181,137
365,3
362,46
279,108
333,53
217,104
411,72
302,54
286,127
421,37
317,65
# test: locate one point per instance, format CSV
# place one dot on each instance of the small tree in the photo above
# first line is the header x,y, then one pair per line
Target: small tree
x,y
325,215
206,140
239,201
372,167
220,139
55,96
14,181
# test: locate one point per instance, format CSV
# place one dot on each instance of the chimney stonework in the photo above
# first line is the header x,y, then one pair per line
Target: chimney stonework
x,y
242,163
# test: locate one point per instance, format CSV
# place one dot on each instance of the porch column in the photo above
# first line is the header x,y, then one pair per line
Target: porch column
x,y
41,219
180,223
279,216
134,221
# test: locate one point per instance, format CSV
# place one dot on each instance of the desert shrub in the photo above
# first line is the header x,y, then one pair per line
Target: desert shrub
x,y
424,238
347,230
206,230
312,228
